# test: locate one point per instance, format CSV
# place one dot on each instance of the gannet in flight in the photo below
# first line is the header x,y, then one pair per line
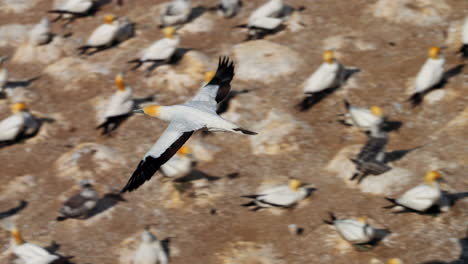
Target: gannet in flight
x,y
363,118
73,9
371,158
175,13
118,108
79,205
150,251
281,196
40,34
229,8
464,48
161,51
355,231
429,76
18,125
103,36
421,197
198,113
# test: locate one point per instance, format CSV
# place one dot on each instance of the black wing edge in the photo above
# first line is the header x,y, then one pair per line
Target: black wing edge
x,y
223,77
149,165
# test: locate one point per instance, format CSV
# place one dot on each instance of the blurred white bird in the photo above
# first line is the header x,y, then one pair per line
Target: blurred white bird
x,y
363,118
29,253
150,251
161,51
355,231
429,76
421,197
175,13
265,19
119,107
3,74
229,8
179,165
323,81
464,48
18,125
40,34
81,204
72,9
284,196
103,36
198,113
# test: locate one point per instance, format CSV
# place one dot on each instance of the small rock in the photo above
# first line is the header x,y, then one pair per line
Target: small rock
x,y
14,34
264,61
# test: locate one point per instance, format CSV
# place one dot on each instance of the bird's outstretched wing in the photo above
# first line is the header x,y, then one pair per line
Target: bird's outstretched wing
x,y
173,138
218,88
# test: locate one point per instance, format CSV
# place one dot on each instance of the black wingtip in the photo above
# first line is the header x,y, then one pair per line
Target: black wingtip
x,y
464,51
416,99
393,201
245,131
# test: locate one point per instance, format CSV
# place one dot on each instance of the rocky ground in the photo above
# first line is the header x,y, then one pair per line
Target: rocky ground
x,y
386,39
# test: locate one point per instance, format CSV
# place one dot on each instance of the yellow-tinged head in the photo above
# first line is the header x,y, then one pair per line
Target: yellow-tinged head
x,y
432,176
169,32
362,219
119,82
184,150
377,111
328,56
209,76
434,52
18,107
294,184
109,19
152,110
16,234
394,261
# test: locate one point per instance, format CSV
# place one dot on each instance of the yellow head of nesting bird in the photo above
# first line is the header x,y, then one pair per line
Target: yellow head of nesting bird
x,y
109,19
362,219
184,150
151,110
169,32
394,261
209,76
18,107
377,111
119,82
328,56
432,176
434,52
294,184
16,234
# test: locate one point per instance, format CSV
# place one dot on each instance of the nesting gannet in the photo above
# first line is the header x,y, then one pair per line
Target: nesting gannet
x,y
161,51
18,125
103,36
175,13
3,74
281,196
29,253
355,231
229,8
421,197
79,205
265,19
40,34
363,118
371,158
179,165
429,76
150,251
323,81
464,48
119,107
72,9
198,113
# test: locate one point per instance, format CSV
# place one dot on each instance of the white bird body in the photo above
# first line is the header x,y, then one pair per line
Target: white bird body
x,y
3,78
362,118
161,49
465,32
120,103
103,35
326,76
175,12
266,16
40,34
421,197
177,166
282,196
77,6
354,231
31,254
14,124
150,251
230,8
430,74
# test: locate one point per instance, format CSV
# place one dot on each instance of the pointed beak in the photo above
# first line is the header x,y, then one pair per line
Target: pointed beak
x,y
139,111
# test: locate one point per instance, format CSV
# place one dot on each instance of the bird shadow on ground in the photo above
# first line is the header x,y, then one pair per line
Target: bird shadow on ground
x,y
195,13
380,234
196,175
10,212
166,245
452,198
53,248
105,203
398,154
462,259
174,59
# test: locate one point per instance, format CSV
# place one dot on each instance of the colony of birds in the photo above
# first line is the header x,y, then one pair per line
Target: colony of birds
x,y
174,159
